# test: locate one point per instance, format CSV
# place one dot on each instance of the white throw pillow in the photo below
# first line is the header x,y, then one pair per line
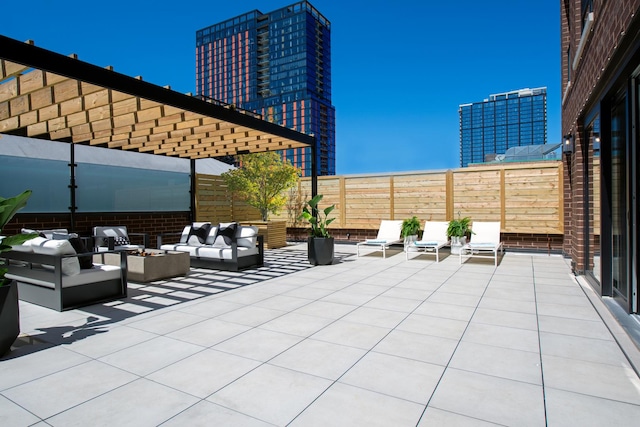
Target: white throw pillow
x,y
70,265
247,236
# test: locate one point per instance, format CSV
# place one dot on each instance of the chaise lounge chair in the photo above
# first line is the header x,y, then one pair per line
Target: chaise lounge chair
x,y
485,242
388,234
434,237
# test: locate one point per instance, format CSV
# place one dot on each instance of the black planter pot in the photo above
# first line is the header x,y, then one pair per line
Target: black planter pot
x,y
9,316
320,250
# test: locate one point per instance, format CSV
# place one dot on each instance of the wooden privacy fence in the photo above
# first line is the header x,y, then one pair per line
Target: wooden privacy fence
x,y
524,197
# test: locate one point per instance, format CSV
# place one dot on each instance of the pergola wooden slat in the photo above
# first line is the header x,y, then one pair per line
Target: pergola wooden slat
x,y
50,96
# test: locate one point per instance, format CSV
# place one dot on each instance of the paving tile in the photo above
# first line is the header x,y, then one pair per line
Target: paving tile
x,y
505,318
271,394
344,405
575,409
433,417
447,311
301,325
579,348
498,361
596,379
134,404
149,356
208,332
436,326
454,299
251,315
395,376
209,307
258,344
166,322
323,359
28,367
15,416
425,348
403,305
204,373
209,414
348,296
508,305
384,318
501,336
510,294
330,310
282,303
70,387
576,327
489,398
352,334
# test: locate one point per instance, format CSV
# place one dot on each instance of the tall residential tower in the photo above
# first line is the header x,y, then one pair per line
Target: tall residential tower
x,y
278,65
505,120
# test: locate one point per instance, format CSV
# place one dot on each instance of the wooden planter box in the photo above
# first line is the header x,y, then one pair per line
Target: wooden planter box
x,y
274,232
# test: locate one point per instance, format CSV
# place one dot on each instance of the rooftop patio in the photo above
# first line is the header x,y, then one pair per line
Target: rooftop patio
x,y
365,341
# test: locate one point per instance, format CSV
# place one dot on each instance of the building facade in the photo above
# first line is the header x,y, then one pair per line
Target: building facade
x,y
505,120
600,109
278,65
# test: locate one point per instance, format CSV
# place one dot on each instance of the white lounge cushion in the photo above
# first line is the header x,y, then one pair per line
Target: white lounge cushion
x,y
70,265
98,273
209,251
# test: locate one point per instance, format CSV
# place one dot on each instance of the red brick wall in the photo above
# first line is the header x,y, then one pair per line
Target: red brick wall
x,y
147,222
514,241
601,57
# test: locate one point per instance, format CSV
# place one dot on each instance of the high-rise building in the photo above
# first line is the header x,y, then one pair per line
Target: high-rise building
x,y
505,120
277,65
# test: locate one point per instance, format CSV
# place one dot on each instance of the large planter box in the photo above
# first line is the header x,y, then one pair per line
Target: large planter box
x,y
274,232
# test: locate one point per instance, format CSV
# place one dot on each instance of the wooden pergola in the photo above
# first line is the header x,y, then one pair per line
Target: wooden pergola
x,y
50,96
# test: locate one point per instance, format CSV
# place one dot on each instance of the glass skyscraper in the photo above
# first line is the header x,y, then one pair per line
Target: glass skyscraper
x,y
505,120
277,65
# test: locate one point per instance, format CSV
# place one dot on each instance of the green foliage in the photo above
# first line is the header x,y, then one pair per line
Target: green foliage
x,y
262,180
410,227
314,216
459,227
8,208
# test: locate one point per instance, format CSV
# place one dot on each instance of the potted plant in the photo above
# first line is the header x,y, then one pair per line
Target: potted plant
x,y
410,229
9,314
458,231
320,244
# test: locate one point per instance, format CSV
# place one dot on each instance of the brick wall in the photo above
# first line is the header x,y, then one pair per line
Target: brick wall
x,y
514,241
151,223
606,47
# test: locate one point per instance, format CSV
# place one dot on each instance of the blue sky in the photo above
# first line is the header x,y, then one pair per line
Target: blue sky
x,y
400,69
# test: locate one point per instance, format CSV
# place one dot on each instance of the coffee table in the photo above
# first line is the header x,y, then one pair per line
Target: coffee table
x,y
155,265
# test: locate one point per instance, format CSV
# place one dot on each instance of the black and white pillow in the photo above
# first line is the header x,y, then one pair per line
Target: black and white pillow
x,y
121,241
225,235
86,261
199,231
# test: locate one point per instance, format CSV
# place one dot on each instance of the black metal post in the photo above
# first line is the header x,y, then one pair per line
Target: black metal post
x,y
314,167
72,185
192,191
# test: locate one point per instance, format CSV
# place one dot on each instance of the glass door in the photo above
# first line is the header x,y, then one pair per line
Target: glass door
x,y
619,227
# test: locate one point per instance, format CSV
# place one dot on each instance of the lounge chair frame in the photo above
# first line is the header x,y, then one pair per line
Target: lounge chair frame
x,y
388,234
485,242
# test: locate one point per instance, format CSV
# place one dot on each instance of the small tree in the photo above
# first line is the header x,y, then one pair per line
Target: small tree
x,y
262,180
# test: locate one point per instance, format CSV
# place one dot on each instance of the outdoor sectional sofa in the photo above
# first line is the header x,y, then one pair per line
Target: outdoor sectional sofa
x,y
226,246
49,273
